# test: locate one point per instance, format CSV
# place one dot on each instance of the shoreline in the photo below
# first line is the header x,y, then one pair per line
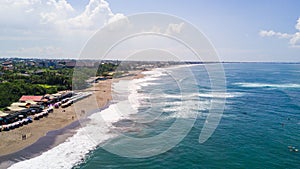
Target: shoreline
x,y
47,138
52,139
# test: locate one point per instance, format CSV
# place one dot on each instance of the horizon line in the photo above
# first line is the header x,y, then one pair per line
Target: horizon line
x,y
191,61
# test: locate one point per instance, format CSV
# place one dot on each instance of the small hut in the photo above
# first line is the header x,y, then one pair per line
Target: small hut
x,y
26,98
15,107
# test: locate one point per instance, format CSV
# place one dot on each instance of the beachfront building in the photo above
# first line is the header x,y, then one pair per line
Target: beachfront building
x,y
18,106
27,99
2,117
35,107
53,98
26,105
2,114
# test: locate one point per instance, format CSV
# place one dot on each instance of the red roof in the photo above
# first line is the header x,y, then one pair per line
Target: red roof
x,y
33,98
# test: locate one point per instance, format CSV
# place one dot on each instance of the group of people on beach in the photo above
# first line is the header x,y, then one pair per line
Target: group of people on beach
x,y
37,112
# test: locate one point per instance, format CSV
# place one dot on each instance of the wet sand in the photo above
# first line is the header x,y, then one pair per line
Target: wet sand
x,y
50,131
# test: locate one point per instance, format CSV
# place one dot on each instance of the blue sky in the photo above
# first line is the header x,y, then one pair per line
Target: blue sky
x,y
233,26
239,30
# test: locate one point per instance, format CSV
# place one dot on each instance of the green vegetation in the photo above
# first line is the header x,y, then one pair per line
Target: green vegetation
x,y
11,92
47,86
32,80
106,68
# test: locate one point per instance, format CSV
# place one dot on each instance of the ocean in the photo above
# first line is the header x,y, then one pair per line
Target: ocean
x,y
156,121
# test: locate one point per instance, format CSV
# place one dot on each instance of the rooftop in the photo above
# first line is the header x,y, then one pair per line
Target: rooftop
x,y
25,98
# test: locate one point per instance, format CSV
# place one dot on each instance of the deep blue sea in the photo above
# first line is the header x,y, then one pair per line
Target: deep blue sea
x,y
259,128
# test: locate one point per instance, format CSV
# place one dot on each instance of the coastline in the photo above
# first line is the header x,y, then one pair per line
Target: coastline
x,y
50,131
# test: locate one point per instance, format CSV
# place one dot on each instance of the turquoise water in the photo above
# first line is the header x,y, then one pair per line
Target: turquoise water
x,y
261,119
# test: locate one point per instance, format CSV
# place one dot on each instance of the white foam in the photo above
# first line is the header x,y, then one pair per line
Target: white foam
x,y
144,84
86,139
134,98
152,75
220,95
96,131
74,149
182,109
270,85
201,95
188,109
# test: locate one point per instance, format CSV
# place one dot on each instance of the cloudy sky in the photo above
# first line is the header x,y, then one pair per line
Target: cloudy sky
x,y
258,30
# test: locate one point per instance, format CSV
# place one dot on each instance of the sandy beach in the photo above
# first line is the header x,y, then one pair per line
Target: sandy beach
x,y
11,141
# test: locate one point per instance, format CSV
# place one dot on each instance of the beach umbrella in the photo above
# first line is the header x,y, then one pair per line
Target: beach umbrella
x,y
5,127
50,109
11,126
36,117
24,121
29,119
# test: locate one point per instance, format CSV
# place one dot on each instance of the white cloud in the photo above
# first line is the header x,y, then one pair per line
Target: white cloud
x,y
171,28
19,2
117,17
38,23
175,28
96,13
46,51
270,33
294,39
298,24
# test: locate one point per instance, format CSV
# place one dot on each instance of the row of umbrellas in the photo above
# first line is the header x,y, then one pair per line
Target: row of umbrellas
x,y
69,101
80,95
43,113
16,124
